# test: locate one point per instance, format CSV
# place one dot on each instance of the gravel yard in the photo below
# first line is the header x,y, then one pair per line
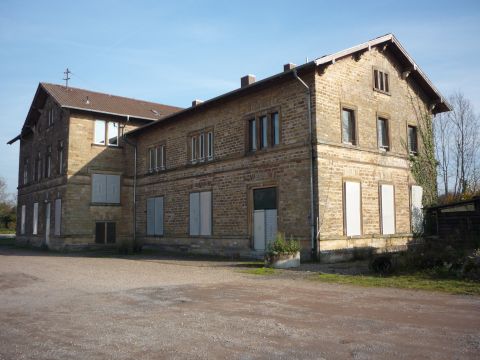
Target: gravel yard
x,y
80,307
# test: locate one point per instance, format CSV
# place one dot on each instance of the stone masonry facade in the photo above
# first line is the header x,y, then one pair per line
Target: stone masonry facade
x,y
301,149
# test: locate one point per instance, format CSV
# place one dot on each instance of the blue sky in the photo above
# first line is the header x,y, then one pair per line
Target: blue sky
x,y
173,52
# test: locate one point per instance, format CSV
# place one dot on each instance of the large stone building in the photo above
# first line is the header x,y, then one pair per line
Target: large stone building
x,y
319,152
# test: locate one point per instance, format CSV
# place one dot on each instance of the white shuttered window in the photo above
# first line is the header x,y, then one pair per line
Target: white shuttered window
x,y
387,209
201,213
35,219
155,216
106,188
353,215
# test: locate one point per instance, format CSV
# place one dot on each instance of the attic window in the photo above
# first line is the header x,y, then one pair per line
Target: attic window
x,y
381,81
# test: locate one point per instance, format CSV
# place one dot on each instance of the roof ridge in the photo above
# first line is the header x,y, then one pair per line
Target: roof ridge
x,y
106,94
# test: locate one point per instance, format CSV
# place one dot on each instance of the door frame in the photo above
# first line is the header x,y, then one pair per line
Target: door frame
x,y
250,208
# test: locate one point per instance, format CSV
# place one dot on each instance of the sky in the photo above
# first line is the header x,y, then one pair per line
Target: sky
x,y
172,52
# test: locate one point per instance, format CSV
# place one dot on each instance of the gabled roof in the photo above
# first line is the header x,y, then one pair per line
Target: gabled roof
x,y
438,102
95,102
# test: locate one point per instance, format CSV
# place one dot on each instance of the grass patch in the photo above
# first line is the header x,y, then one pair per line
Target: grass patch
x,y
260,271
7,231
416,281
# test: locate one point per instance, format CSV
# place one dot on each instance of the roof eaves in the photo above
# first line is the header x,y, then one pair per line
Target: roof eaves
x,y
108,113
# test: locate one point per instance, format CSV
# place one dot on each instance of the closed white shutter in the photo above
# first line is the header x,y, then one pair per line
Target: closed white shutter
x,y
206,213
159,216
58,216
151,216
259,229
352,208
387,209
113,189
270,225
417,209
35,219
22,224
99,188
195,214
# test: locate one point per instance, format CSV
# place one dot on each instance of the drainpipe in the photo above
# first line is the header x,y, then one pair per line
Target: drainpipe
x,y
312,164
134,185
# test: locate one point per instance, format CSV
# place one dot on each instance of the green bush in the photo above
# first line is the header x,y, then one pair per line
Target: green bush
x,y
281,246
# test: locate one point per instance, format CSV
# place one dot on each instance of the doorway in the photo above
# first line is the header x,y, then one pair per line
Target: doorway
x,y
264,217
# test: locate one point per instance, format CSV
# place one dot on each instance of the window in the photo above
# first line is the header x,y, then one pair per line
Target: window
x,y
352,208
263,132
35,219
275,126
50,117
156,158
48,162
201,146
382,134
112,133
387,209
416,210
201,213
60,157
381,81
105,232
38,167
99,137
252,135
155,216
22,223
412,140
25,171
106,189
348,127
58,216
210,145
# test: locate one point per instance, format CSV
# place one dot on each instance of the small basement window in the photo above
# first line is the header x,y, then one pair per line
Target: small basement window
x,y
105,232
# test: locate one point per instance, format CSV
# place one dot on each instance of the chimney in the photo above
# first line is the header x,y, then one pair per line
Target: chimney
x,y
247,80
196,102
289,66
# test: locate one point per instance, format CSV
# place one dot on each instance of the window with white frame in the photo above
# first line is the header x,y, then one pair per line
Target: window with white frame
x,y
22,221
349,129
201,213
155,216
50,117
201,146
387,209
382,134
35,219
106,133
105,189
38,167
352,208
156,158
263,131
412,140
381,81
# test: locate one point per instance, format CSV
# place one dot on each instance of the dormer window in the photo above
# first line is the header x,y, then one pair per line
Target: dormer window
x,y
381,81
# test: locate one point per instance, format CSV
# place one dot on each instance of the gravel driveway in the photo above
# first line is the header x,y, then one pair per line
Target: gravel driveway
x,y
79,307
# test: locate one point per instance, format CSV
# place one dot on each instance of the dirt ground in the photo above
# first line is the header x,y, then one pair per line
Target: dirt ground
x,y
80,307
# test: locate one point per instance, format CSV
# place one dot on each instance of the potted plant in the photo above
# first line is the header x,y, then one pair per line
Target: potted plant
x,y
283,254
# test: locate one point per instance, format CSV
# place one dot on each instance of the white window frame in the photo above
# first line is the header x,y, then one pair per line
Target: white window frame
x,y
194,149
152,159
50,117
381,145
99,132
48,162
275,120
116,126
210,145
160,150
409,140
201,142
351,131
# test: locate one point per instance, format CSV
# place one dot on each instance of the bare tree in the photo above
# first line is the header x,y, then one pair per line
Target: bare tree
x,y
442,127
